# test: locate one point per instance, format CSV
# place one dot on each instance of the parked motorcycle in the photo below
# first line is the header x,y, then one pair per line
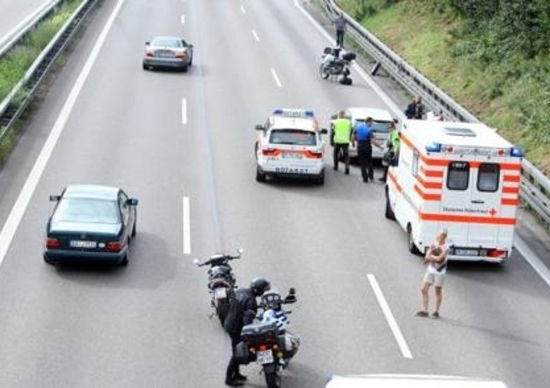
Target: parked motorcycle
x,y
221,282
335,67
268,341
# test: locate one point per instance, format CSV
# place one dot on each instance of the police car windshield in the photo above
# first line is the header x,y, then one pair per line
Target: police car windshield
x,y
293,137
378,126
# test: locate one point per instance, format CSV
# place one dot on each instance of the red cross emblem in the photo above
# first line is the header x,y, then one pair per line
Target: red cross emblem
x,y
492,212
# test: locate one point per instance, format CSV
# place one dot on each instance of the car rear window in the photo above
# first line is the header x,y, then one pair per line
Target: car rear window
x,y
458,175
167,42
488,177
87,210
292,137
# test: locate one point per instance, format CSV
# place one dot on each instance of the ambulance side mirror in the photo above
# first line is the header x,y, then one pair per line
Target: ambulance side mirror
x,y
259,127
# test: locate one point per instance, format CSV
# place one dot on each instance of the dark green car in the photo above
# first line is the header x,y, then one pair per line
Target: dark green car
x,y
90,223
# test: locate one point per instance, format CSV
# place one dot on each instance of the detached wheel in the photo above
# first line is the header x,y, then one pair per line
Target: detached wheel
x,y
412,246
260,177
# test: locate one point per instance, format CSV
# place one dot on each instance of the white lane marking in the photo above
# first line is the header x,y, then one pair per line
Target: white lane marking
x,y
405,351
243,10
182,19
186,227
184,111
18,210
277,80
532,259
374,86
255,35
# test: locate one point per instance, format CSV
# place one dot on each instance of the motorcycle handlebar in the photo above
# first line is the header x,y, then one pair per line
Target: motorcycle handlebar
x,y
221,259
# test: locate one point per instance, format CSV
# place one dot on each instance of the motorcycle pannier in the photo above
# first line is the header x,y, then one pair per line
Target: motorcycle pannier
x,y
259,333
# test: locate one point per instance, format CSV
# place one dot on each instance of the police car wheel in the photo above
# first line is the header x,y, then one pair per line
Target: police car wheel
x,y
260,177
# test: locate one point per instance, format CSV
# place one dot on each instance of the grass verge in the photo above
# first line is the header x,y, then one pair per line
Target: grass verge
x,y
512,95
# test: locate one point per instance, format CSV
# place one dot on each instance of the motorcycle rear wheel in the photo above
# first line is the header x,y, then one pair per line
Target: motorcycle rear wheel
x,y
222,309
273,380
323,72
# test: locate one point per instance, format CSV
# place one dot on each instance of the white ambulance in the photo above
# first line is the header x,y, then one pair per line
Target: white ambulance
x,y
461,177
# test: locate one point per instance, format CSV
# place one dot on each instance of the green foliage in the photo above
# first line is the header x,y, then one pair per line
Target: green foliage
x,y
15,63
493,56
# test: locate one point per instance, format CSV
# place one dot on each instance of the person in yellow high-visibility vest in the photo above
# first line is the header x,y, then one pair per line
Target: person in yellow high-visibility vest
x,y
341,138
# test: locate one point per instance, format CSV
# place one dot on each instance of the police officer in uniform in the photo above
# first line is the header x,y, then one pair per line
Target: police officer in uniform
x,y
341,137
363,134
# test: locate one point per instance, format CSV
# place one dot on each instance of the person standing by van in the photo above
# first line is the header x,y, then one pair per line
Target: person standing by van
x,y
436,257
341,139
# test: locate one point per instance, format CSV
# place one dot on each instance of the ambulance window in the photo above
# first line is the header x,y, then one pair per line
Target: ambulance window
x,y
414,164
488,177
458,176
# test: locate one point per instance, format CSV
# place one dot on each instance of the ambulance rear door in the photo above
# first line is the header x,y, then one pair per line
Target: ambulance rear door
x,y
486,188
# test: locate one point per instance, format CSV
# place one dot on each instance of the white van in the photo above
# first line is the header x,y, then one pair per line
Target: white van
x,y
462,177
411,381
381,118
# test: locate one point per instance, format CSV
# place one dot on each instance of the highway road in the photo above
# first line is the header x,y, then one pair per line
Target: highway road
x,y
147,325
13,12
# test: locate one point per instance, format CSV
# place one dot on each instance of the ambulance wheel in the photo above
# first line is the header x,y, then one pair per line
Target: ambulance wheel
x,y
390,215
260,177
412,246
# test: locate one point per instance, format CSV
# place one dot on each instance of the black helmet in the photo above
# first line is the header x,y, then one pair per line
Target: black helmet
x,y
259,286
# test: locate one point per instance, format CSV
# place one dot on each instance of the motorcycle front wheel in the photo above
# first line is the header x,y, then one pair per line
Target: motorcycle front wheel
x,y
273,380
323,72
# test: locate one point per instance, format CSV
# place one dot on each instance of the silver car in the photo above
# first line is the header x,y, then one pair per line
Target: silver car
x,y
168,52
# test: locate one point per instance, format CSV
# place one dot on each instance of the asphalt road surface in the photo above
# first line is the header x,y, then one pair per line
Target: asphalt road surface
x,y
12,12
147,325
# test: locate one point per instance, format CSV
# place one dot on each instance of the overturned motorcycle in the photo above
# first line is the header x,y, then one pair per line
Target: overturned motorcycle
x,y
221,282
335,67
269,342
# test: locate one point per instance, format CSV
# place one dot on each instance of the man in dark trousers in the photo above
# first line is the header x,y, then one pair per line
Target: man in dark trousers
x,y
340,23
341,137
363,134
410,112
242,311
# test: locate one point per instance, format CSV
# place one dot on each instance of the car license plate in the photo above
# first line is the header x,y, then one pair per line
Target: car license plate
x,y
265,356
290,170
83,244
220,293
166,55
466,252
292,155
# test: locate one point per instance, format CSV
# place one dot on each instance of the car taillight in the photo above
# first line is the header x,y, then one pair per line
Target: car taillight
x,y
270,152
313,155
181,55
149,54
53,243
113,246
497,253
262,348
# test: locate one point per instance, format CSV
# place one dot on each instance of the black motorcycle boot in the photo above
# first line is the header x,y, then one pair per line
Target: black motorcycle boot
x,y
238,376
234,383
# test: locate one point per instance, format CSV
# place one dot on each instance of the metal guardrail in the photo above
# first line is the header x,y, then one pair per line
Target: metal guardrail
x,y
535,186
13,36
11,111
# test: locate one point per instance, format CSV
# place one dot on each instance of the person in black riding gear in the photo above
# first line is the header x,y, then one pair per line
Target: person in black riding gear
x,y
242,311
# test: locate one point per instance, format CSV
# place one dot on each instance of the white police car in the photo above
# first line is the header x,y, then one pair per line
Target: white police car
x,y
290,144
